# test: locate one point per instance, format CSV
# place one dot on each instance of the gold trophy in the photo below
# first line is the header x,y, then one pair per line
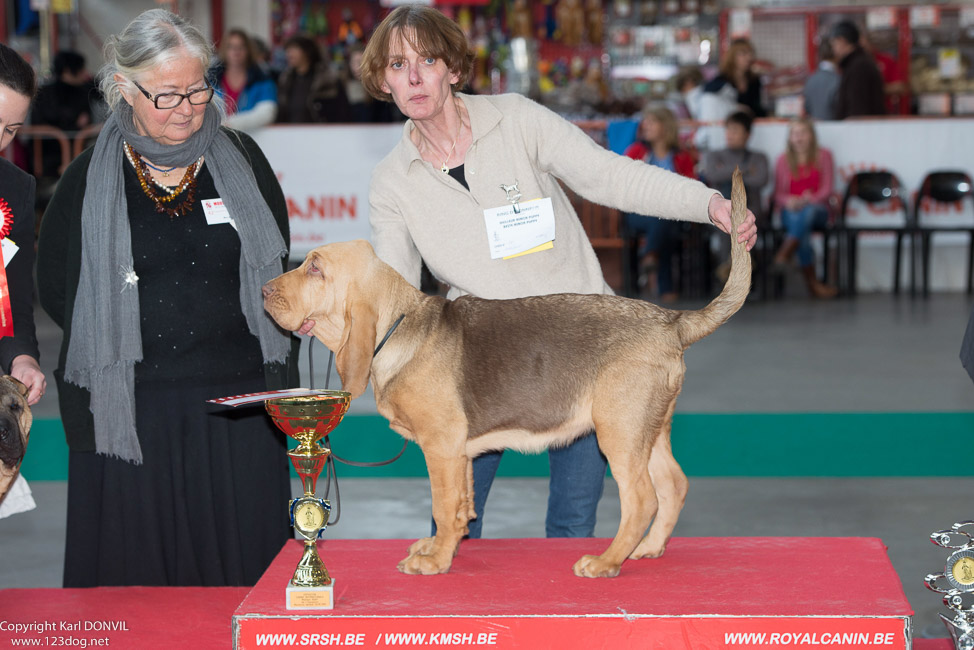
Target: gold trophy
x,y
308,419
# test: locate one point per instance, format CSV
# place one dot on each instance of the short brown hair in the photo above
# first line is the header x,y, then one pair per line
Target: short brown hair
x,y
429,32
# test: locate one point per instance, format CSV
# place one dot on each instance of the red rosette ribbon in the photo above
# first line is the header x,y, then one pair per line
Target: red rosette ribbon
x,y
6,315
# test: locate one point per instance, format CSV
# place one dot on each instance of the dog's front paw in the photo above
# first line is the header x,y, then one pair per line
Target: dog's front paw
x,y
593,566
425,565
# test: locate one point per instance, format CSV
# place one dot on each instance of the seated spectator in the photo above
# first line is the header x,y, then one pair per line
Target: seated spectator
x,y
821,87
249,93
659,144
717,169
70,102
802,189
308,90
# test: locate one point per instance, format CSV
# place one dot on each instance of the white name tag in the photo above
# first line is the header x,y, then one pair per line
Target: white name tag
x,y
513,232
9,250
216,212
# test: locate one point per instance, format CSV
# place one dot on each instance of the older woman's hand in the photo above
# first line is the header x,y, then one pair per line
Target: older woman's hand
x,y
719,211
24,369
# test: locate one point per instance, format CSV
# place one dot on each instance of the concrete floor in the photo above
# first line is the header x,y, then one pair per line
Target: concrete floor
x,y
875,353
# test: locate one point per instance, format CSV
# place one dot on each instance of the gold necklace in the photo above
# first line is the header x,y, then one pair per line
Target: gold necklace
x,y
443,167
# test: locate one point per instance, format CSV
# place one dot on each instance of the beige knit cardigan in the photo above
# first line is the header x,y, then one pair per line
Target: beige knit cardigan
x,y
419,213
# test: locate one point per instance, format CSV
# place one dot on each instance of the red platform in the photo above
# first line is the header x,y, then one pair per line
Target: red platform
x,y
147,618
704,593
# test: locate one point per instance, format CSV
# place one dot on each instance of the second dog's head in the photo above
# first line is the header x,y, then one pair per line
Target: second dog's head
x,y
15,421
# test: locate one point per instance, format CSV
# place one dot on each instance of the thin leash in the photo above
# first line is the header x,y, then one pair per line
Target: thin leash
x,y
331,472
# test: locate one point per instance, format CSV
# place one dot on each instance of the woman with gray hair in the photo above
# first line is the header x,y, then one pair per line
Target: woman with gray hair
x,y
151,257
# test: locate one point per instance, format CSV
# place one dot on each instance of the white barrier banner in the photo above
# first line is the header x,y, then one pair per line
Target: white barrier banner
x,y
325,172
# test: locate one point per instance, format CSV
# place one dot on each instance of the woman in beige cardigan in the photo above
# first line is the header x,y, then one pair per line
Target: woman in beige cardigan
x,y
446,192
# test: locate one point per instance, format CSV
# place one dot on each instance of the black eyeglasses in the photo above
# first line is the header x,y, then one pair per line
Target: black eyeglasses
x,y
165,101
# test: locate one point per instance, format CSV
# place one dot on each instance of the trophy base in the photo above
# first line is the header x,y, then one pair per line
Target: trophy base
x,y
310,597
961,632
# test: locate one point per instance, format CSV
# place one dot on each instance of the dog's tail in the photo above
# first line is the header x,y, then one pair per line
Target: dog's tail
x,y
694,325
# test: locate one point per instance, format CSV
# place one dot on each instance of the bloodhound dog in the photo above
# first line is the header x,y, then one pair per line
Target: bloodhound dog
x,y
469,375
15,421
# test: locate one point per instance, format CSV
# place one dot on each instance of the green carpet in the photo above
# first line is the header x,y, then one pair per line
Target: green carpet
x,y
738,444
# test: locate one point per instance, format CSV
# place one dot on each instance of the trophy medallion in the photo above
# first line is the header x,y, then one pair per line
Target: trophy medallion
x,y
308,419
958,574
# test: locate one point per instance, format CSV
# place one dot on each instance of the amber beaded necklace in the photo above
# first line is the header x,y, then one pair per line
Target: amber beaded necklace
x,y
162,200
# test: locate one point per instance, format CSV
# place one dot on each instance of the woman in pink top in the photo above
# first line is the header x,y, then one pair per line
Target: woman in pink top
x,y
803,185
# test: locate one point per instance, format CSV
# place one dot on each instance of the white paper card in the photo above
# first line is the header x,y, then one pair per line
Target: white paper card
x,y
511,232
9,250
216,212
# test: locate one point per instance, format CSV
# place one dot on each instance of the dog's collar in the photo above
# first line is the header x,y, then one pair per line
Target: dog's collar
x,y
388,334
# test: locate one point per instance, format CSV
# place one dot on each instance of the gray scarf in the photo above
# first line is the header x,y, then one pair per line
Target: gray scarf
x,y
106,340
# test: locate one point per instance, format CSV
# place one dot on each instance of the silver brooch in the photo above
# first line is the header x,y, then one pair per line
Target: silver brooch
x,y
129,278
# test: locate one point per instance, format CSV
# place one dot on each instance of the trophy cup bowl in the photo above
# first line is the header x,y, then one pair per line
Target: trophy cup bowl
x,y
308,419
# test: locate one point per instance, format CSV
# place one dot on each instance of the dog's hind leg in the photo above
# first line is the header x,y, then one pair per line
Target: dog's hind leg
x,y
624,437
671,489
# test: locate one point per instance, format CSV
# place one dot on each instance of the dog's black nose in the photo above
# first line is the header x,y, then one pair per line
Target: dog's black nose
x,y
268,289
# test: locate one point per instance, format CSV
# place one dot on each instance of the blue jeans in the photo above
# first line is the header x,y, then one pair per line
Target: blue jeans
x,y
574,489
800,223
662,237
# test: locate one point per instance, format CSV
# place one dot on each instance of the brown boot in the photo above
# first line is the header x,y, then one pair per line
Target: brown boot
x,y
783,256
815,288
788,248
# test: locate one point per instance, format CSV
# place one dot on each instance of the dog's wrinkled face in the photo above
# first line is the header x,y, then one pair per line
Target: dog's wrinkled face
x,y
15,421
317,289
332,288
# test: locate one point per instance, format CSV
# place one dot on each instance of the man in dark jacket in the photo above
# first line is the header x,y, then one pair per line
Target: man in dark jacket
x,y
861,87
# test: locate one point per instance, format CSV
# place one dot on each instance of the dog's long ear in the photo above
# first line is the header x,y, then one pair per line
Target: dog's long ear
x,y
354,358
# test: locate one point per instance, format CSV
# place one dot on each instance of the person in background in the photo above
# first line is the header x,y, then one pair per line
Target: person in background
x,y
736,86
70,102
427,200
860,90
802,189
159,297
821,87
18,352
248,93
360,104
895,84
263,58
717,169
658,145
689,87
308,90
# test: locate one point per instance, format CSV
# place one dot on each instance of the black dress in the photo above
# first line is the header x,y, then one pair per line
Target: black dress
x,y
208,506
